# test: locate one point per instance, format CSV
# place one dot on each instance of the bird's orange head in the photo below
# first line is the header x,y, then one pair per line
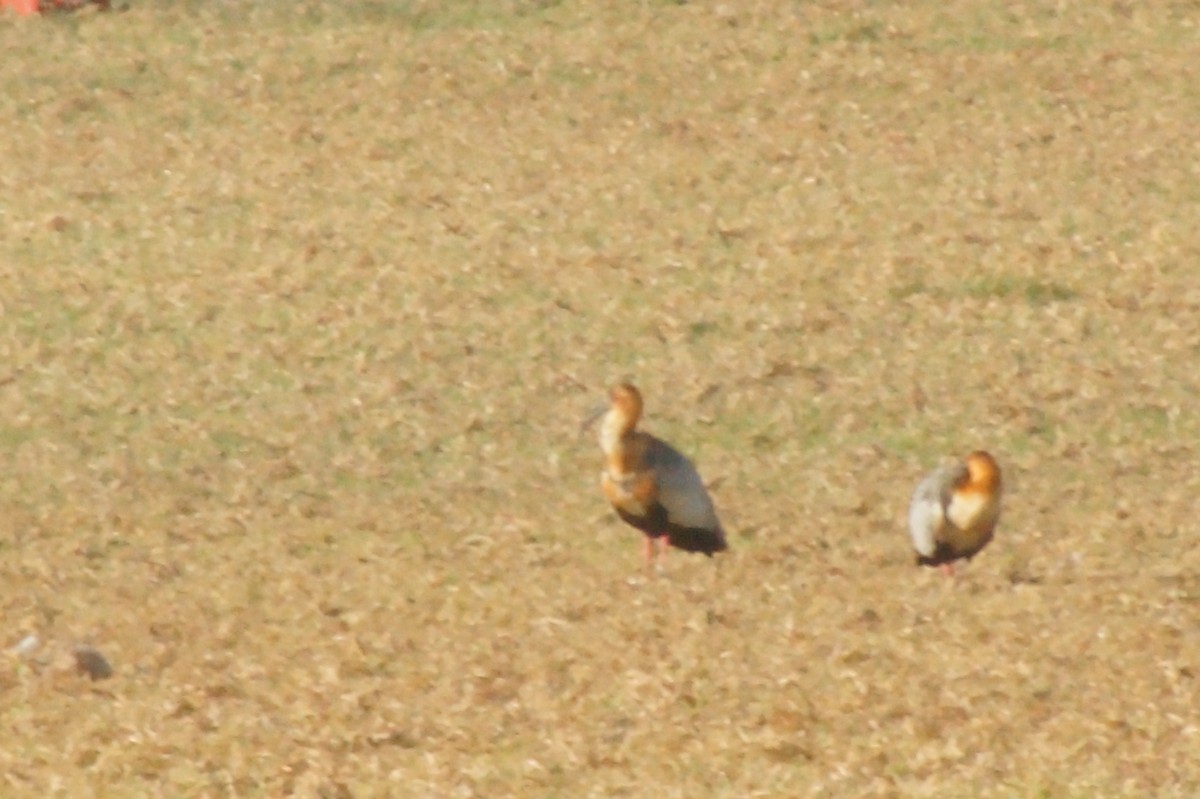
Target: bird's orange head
x,y
984,471
626,404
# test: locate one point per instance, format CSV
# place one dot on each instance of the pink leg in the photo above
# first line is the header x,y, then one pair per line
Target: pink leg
x,y
648,550
948,569
663,543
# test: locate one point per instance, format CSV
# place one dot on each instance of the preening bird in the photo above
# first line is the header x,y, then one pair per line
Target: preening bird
x,y
954,510
651,485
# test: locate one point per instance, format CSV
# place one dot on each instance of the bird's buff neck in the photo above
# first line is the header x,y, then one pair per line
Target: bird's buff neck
x,y
612,432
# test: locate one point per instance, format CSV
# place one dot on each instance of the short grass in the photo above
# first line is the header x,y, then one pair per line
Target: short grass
x,y
303,302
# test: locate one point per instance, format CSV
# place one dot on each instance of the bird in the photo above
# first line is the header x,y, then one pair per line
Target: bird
x,y
651,485
954,510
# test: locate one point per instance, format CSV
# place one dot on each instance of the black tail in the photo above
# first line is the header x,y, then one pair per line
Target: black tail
x,y
697,539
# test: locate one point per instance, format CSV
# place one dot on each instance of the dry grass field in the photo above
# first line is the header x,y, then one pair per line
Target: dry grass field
x,y
301,305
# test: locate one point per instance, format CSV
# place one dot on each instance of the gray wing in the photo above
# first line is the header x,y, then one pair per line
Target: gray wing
x,y
927,512
680,490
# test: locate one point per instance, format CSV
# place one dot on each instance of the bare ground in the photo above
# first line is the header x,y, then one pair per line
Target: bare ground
x,y
302,304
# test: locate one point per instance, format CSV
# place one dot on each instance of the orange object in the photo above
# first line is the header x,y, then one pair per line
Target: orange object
x,y
955,509
651,485
22,7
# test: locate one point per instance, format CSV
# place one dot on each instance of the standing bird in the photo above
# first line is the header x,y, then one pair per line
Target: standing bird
x,y
652,485
954,510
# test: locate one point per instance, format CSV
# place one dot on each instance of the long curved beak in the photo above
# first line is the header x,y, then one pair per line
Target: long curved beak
x,y
592,417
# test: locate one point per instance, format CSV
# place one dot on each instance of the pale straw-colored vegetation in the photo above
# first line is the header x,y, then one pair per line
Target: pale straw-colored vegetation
x,y
301,305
